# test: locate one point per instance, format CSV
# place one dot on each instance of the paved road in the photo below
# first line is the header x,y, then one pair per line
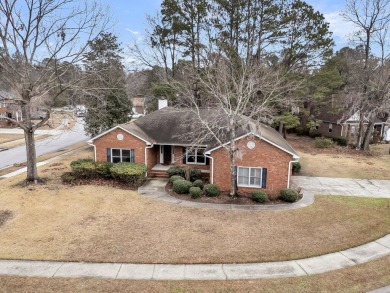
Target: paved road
x,y
64,139
342,186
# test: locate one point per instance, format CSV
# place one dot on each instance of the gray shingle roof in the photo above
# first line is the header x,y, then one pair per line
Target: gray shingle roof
x,y
179,126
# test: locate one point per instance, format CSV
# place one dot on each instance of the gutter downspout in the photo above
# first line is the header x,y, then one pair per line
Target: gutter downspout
x,y
94,148
289,173
212,168
146,157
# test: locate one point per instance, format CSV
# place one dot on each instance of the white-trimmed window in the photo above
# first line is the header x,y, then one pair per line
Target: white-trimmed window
x,y
330,129
249,177
122,155
195,156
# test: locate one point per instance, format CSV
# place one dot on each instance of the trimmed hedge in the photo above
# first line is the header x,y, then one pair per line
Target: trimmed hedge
x,y
211,190
176,171
198,183
129,173
195,174
259,196
85,168
175,177
289,195
195,192
182,186
68,178
103,169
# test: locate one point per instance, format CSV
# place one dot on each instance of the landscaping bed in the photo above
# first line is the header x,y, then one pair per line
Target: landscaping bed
x,y
224,198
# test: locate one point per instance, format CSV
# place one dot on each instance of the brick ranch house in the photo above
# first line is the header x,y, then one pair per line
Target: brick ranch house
x,y
163,139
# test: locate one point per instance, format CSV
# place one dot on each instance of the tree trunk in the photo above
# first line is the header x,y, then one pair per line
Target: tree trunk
x,y
32,173
368,135
361,133
281,128
232,149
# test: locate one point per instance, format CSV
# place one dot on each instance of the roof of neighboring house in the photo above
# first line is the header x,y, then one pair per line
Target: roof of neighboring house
x,y
180,126
138,101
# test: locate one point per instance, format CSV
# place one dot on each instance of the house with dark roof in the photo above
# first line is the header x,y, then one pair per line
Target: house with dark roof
x,y
170,137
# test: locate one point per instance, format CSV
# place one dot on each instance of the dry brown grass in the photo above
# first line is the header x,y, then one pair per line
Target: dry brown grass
x,y
360,278
5,137
18,142
345,166
342,162
91,223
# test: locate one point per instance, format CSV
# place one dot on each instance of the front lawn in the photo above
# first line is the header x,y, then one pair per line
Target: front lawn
x,y
100,223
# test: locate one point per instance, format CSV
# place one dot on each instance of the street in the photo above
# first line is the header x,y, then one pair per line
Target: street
x,y
58,141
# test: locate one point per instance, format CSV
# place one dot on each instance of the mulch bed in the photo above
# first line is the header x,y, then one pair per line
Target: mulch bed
x,y
306,144
5,216
223,198
101,182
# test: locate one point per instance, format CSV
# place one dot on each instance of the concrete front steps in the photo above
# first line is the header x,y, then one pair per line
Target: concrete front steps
x,y
158,174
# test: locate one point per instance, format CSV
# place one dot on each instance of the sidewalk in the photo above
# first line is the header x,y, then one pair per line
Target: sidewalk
x,y
37,132
155,189
284,269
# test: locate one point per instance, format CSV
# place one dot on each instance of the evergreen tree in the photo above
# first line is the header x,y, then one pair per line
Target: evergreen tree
x,y
106,98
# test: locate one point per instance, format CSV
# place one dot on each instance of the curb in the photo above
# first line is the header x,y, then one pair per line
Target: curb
x,y
127,271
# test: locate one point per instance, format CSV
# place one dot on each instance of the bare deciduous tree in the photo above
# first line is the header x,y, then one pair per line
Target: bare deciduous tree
x,y
241,96
39,40
371,19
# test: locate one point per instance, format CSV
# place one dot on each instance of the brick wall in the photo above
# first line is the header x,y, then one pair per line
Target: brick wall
x,y
323,129
129,141
178,157
263,155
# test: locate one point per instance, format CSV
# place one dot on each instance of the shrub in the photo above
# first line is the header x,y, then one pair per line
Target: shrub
x,y
181,186
299,131
129,173
260,196
68,178
198,183
174,178
211,190
296,167
195,174
289,195
176,171
103,169
323,142
84,168
195,192
341,141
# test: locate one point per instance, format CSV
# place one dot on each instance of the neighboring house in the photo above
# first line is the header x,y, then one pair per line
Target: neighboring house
x,y
337,124
139,108
8,109
164,138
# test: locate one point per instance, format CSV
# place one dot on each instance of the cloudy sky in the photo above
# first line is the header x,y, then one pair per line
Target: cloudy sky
x,y
129,17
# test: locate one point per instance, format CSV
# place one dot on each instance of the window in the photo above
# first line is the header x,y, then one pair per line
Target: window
x,y
330,127
195,156
122,155
248,176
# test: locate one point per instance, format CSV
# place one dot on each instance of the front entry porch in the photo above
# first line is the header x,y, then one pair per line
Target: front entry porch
x,y
160,171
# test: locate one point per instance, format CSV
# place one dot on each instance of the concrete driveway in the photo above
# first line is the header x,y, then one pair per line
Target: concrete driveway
x,y
342,186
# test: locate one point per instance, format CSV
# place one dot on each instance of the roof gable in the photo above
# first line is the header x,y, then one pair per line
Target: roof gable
x,y
180,126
